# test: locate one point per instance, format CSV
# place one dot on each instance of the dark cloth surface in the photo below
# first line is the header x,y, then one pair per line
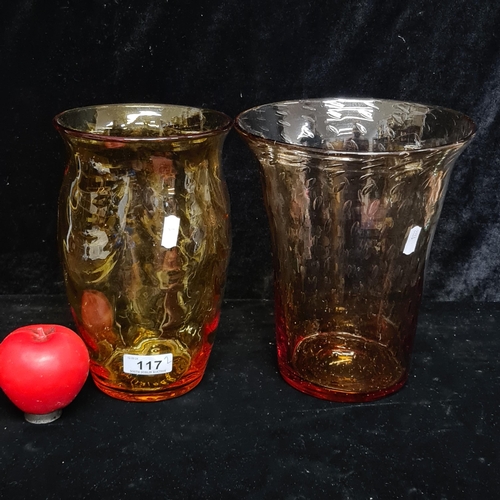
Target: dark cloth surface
x,y
244,433
231,56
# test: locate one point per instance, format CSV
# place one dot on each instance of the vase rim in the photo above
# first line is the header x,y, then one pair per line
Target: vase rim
x,y
250,135
223,125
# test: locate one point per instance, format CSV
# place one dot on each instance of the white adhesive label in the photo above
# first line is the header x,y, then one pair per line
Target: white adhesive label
x,y
411,240
148,365
170,231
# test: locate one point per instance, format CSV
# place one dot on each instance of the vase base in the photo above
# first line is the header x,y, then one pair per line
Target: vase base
x,y
337,395
339,366
149,396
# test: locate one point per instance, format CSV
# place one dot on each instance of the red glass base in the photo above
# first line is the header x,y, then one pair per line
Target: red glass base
x,y
149,396
337,395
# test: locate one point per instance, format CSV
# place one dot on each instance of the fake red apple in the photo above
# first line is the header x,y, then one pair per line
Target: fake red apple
x,y
42,369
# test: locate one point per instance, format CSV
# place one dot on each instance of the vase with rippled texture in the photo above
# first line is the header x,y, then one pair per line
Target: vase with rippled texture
x,y
353,190
145,239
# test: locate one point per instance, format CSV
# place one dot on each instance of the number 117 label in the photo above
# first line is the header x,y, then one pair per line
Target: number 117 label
x,y
147,365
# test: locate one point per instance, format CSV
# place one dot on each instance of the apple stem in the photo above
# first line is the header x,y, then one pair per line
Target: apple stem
x,y
40,334
46,418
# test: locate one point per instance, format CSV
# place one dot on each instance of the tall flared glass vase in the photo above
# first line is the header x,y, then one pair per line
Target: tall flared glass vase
x,y
353,190
145,239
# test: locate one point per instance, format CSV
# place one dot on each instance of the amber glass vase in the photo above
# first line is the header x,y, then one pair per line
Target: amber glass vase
x,y
353,190
145,239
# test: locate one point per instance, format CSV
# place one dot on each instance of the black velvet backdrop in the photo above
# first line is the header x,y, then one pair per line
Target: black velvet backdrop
x,y
232,55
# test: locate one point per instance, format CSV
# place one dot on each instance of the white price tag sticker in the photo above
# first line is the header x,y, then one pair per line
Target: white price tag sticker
x,y
170,232
411,240
148,365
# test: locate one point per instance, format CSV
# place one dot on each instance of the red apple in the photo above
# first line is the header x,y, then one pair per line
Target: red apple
x,y
42,369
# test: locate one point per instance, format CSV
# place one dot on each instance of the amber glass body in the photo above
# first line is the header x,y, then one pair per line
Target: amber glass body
x,y
353,190
138,285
